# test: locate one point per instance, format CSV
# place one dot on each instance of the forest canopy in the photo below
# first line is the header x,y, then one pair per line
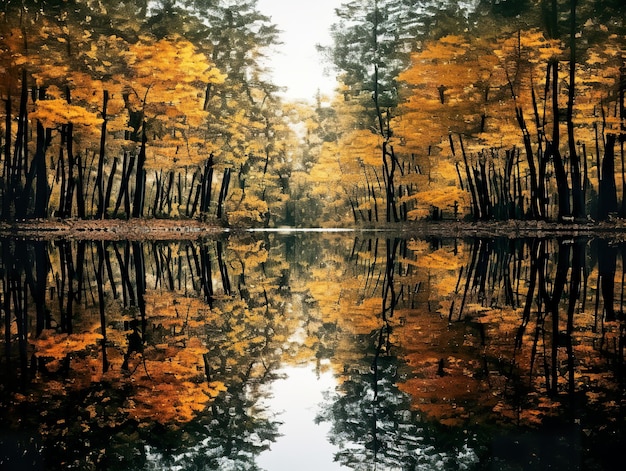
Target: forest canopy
x,y
489,110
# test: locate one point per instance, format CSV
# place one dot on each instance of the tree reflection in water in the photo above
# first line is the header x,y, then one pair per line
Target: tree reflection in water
x,y
505,353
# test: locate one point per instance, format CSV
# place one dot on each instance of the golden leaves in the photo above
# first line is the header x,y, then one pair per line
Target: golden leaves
x,y
58,346
250,209
163,79
53,113
170,401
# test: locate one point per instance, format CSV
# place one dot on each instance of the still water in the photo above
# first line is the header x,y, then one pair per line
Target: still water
x,y
278,351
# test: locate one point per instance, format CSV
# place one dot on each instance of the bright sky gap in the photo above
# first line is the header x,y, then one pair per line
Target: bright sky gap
x,y
296,64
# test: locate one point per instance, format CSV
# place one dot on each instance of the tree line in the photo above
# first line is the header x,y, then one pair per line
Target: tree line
x,y
140,109
488,110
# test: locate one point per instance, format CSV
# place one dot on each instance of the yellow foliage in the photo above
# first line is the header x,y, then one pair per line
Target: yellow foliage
x,y
250,209
52,345
53,113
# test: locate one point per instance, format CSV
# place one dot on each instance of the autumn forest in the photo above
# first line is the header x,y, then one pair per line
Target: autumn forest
x,y
438,244
486,110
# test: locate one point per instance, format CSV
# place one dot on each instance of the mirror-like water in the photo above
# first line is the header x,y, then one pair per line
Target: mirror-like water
x,y
312,351
296,400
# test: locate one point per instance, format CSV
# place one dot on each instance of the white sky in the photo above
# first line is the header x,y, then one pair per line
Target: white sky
x,y
304,444
298,65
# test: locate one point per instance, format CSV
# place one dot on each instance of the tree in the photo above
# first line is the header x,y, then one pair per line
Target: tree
x,y
73,52
246,123
166,78
514,85
372,45
118,356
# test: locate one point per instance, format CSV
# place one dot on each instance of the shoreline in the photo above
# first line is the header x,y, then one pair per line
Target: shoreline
x,y
169,229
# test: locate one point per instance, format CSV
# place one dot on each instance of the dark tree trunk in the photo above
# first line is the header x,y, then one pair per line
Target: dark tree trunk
x,y
80,188
578,200
207,183
101,207
109,189
140,179
71,164
470,182
389,168
20,154
622,140
101,303
42,190
191,210
541,158
168,193
140,283
607,191
158,183
484,191
6,193
553,148
124,194
223,269
578,263
607,265
223,193
532,169
560,280
61,176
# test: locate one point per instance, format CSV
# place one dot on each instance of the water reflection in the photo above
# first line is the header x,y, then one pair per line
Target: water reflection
x,y
445,354
296,399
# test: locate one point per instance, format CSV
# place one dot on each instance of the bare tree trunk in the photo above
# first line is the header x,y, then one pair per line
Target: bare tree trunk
x,y
101,303
223,193
532,169
123,196
101,207
80,188
622,140
7,170
20,153
158,183
41,190
207,184
554,151
578,200
470,182
140,178
607,265
109,189
607,197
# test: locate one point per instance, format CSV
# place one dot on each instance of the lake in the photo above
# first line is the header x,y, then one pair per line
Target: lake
x,y
312,350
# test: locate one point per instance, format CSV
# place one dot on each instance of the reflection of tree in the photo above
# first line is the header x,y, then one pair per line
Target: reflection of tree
x,y
23,269
142,344
512,334
372,419
533,348
169,346
374,425
232,433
